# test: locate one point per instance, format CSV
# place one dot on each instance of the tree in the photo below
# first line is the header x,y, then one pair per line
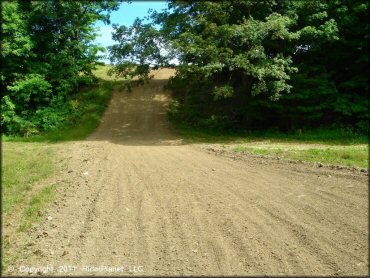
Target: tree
x,y
331,87
47,52
230,53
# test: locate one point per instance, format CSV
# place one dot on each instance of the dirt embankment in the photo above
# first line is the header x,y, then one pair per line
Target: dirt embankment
x,y
134,196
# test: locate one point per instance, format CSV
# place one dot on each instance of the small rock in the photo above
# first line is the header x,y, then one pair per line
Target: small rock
x,y
213,169
320,165
37,252
329,176
70,171
64,253
86,173
50,217
363,170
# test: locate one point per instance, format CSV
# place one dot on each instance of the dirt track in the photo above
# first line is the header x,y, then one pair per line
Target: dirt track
x,y
134,195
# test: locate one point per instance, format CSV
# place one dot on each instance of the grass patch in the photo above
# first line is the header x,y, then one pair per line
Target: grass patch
x,y
337,155
101,72
23,165
32,214
338,146
338,136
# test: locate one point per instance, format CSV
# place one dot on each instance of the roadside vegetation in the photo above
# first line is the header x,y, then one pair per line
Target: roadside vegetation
x,y
327,146
333,155
88,106
328,136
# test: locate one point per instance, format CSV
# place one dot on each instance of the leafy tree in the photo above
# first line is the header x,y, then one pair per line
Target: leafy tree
x,y
331,86
16,44
47,53
348,62
232,55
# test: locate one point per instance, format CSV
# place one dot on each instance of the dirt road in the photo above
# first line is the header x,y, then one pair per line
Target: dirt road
x,y
135,196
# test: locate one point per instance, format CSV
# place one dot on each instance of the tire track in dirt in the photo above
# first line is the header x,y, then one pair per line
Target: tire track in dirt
x,y
286,216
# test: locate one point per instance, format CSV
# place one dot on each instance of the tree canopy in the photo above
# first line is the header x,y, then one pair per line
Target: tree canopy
x,y
240,64
238,60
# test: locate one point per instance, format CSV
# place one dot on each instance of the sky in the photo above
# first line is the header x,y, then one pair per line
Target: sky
x,y
125,15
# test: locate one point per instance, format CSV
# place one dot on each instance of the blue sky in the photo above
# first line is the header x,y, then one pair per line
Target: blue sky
x,y
126,15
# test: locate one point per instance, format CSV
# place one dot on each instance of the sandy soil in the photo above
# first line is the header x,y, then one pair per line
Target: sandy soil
x,y
135,196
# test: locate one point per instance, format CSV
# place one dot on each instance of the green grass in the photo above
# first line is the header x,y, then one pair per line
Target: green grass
x,y
32,214
321,136
92,102
327,146
24,164
102,73
335,155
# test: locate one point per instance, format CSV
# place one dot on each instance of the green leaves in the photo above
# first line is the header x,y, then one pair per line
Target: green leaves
x,y
233,56
223,92
47,52
33,88
218,41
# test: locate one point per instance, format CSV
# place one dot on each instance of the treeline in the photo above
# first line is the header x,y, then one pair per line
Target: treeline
x,y
47,53
248,64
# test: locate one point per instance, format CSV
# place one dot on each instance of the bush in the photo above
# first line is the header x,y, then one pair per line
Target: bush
x,y
30,91
31,108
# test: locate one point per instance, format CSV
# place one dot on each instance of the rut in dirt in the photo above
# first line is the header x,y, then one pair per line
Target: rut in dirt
x,y
167,208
